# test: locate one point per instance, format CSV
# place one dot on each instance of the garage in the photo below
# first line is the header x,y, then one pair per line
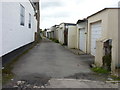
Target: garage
x,y
95,34
82,39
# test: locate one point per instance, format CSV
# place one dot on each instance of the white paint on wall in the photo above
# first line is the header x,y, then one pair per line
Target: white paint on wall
x,y
0,30
82,39
15,35
119,4
34,24
61,33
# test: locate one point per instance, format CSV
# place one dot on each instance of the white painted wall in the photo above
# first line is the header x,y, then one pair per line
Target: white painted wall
x,y
15,35
48,33
82,39
61,33
81,26
119,35
0,30
119,4
34,24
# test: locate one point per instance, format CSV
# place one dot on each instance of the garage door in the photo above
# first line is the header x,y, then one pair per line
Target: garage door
x,y
95,34
82,40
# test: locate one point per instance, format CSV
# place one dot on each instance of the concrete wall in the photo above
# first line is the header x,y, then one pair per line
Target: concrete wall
x,y
113,34
49,33
109,19
61,33
100,16
53,28
72,37
58,29
52,34
119,34
119,4
79,26
34,24
56,34
15,35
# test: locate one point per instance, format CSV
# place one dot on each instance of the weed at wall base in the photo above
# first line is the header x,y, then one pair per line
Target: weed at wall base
x,y
54,40
7,73
100,70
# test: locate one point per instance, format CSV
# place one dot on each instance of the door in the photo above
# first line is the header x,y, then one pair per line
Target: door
x,y
95,34
82,39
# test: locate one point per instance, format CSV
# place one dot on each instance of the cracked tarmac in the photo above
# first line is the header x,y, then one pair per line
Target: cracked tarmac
x,y
48,60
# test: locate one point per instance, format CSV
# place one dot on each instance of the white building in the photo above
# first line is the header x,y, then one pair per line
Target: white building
x,y
63,32
48,33
54,33
103,37
19,25
0,30
82,35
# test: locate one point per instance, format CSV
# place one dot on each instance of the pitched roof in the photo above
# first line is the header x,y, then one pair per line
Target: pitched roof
x,y
80,21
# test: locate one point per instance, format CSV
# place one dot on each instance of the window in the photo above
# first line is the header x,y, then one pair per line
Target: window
x,y
22,15
29,23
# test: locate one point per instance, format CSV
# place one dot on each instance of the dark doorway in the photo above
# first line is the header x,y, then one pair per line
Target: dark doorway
x,y
66,36
107,54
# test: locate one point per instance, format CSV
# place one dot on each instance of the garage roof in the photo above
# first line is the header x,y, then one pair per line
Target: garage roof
x,y
101,11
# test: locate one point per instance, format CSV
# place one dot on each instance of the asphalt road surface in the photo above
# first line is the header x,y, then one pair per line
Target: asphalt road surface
x,y
48,61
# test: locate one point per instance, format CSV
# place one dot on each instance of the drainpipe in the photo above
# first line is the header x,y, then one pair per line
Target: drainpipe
x,y
38,20
86,36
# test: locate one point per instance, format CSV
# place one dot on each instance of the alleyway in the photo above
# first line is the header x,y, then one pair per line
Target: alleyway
x,y
51,60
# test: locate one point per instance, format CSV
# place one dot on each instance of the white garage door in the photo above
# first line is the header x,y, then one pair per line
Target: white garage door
x,y
82,40
95,34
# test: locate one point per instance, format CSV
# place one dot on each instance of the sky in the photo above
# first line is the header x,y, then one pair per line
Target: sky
x,y
54,12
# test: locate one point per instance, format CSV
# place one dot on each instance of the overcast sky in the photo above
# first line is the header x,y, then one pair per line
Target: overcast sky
x,y
57,11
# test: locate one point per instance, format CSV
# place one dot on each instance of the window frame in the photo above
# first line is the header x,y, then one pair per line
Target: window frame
x,y
30,21
22,15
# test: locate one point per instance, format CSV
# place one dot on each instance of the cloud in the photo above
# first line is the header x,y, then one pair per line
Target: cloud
x,y
45,5
58,11
58,15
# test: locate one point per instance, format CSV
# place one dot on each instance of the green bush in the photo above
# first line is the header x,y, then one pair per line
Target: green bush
x,y
51,39
117,78
56,41
107,61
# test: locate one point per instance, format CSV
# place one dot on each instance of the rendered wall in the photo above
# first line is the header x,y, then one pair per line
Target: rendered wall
x,y
72,37
113,34
61,33
119,34
109,18
100,16
15,35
